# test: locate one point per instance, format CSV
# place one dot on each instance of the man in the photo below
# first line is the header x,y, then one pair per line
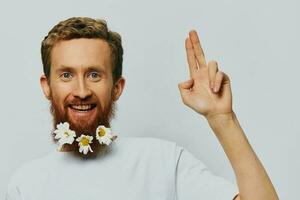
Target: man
x,y
82,78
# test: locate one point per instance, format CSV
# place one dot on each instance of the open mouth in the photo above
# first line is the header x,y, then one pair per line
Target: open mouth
x,y
82,107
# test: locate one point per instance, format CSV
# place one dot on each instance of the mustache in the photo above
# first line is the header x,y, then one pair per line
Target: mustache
x,y
78,101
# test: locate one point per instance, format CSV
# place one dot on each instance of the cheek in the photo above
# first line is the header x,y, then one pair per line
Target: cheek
x,y
104,95
59,93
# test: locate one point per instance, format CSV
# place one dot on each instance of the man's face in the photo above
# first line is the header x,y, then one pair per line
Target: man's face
x,y
80,86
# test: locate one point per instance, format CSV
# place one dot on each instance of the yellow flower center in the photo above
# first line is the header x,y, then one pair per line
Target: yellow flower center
x,y
101,132
84,141
66,134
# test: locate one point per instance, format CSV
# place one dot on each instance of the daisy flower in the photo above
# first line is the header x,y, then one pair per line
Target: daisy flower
x,y
84,143
64,134
104,135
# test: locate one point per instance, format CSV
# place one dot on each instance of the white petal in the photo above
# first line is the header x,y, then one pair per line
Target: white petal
x,y
108,141
99,127
72,133
85,150
56,131
58,136
105,140
62,141
66,126
78,139
80,149
60,126
97,136
90,148
108,130
110,135
70,140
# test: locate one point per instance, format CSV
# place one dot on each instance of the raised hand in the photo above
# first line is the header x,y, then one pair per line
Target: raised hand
x,y
208,90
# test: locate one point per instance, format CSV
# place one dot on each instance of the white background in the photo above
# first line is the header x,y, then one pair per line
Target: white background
x,y
256,43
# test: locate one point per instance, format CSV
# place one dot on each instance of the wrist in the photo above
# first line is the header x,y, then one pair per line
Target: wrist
x,y
221,120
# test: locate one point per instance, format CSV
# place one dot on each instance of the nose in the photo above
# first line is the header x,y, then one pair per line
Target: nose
x,y
82,90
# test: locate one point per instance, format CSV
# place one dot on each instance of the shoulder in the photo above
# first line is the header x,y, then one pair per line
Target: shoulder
x,y
30,170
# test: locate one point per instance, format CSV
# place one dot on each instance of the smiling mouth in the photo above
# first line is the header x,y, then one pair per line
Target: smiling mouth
x,y
82,107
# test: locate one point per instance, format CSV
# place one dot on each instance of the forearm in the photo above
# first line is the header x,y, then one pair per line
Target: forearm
x,y
252,179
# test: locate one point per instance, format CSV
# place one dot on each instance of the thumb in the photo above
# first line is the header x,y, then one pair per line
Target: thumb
x,y
186,85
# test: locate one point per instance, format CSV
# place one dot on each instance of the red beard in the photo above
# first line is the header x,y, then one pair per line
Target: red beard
x,y
85,125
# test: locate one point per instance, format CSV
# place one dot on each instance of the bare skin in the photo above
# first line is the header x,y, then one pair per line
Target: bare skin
x,y
208,92
82,69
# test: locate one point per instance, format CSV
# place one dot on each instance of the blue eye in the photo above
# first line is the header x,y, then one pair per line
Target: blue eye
x,y
66,76
94,76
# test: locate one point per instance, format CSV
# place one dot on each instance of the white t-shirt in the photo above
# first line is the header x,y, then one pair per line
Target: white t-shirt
x,y
133,168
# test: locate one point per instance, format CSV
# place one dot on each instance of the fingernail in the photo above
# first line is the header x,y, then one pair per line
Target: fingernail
x,y
215,89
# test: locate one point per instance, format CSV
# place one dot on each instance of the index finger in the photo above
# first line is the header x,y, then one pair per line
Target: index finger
x,y
197,48
190,57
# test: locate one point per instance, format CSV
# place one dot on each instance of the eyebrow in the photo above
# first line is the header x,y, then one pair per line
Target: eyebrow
x,y
71,69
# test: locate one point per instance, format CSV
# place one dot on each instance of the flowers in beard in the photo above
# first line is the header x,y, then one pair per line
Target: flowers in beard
x,y
64,134
84,142
104,135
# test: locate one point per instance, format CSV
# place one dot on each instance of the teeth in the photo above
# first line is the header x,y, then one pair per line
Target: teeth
x,y
82,107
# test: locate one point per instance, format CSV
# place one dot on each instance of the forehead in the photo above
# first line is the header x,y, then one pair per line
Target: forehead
x,y
81,53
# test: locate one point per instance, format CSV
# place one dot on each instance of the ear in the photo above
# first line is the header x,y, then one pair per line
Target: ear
x,y
45,86
118,88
